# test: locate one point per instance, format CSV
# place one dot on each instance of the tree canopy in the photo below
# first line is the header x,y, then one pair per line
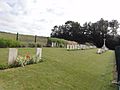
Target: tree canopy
x,y
89,32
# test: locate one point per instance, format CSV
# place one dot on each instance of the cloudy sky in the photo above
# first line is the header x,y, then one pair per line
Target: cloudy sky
x,y
37,17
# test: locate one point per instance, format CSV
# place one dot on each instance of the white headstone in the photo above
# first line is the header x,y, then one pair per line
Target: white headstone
x,y
12,55
81,46
39,52
52,44
91,47
68,47
99,51
78,47
75,46
55,44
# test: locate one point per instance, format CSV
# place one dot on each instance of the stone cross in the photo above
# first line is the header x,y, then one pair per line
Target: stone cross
x,y
39,52
12,55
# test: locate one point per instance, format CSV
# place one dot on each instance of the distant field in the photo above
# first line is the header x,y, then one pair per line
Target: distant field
x,y
24,38
61,70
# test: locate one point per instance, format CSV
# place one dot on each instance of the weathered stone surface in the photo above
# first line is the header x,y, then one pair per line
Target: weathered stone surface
x,y
12,55
39,52
68,47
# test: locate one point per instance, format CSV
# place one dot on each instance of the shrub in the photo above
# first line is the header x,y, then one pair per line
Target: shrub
x,y
9,43
60,42
39,45
31,44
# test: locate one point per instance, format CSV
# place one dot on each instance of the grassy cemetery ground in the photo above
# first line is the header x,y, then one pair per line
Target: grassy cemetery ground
x,y
61,70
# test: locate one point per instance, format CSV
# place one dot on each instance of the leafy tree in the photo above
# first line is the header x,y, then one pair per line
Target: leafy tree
x,y
88,32
114,25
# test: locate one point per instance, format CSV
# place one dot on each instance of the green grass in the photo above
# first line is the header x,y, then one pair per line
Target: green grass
x,y
24,38
3,55
62,70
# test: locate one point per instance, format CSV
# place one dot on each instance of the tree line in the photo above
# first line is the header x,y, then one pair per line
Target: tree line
x,y
89,32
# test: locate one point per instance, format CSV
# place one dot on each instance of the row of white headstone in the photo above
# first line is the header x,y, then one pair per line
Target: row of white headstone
x,y
79,47
54,44
13,53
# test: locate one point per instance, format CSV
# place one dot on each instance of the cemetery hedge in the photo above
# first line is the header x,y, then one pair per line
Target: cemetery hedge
x,y
9,43
4,43
61,70
60,42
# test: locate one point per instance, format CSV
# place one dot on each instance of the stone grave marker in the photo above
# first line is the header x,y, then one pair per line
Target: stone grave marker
x,y
12,55
90,47
52,44
78,47
68,47
39,52
75,46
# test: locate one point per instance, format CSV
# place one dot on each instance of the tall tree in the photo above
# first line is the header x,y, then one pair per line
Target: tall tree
x,y
89,32
114,25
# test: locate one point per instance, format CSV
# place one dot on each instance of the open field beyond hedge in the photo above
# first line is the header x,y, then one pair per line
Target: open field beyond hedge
x,y
24,38
61,70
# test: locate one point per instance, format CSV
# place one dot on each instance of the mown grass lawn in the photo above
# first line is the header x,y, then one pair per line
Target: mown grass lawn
x,y
61,70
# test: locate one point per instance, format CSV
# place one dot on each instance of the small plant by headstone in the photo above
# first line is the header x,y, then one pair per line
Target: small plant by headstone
x,y
26,60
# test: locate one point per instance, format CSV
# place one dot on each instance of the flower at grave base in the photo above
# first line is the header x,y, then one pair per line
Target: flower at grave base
x,y
27,56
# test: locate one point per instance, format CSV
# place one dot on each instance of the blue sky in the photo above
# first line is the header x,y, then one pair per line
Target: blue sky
x,y
37,17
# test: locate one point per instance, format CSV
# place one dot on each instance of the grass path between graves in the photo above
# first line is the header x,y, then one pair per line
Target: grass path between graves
x,y
61,70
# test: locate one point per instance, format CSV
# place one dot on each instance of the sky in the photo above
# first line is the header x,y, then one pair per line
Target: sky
x,y
38,17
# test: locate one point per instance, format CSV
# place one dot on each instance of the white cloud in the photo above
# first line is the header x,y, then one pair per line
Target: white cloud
x,y
39,16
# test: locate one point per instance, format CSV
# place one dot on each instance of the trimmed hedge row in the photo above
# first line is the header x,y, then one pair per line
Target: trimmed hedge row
x,y
4,43
60,42
9,43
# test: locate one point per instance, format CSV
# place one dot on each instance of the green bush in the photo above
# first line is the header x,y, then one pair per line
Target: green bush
x,y
39,45
4,43
9,43
60,42
31,44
